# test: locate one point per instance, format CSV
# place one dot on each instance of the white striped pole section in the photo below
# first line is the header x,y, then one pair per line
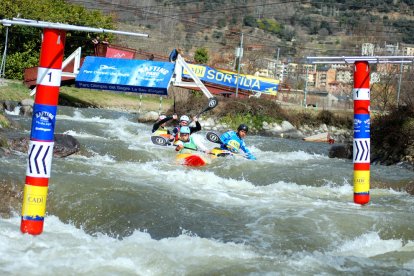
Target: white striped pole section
x,y
42,132
361,147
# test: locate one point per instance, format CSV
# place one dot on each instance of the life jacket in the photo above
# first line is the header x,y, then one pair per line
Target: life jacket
x,y
234,145
160,132
163,132
177,134
189,147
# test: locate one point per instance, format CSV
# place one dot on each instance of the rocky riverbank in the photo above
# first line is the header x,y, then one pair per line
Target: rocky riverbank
x,y
284,129
393,151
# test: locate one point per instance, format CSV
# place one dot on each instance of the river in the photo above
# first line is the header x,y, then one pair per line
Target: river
x,y
124,207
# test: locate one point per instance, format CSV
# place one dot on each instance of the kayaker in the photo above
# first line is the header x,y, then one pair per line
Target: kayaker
x,y
159,129
184,121
187,143
234,141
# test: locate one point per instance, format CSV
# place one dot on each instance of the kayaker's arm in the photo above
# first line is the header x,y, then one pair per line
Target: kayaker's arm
x,y
249,155
179,146
157,124
196,128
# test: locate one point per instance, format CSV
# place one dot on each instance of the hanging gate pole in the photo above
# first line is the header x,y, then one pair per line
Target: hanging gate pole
x,y
362,121
362,140
49,76
42,132
160,109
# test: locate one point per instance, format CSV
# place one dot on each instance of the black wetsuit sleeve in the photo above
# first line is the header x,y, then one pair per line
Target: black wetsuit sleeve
x,y
196,128
157,124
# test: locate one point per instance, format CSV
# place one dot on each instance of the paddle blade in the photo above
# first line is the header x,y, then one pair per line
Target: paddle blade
x,y
158,140
212,103
213,137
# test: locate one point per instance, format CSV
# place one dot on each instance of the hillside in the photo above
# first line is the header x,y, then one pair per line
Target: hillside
x,y
290,29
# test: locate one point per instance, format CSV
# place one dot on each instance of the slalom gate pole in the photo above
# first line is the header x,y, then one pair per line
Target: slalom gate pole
x,y
361,146
42,132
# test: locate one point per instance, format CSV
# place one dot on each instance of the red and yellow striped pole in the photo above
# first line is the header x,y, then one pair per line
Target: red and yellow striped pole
x,y
42,132
361,147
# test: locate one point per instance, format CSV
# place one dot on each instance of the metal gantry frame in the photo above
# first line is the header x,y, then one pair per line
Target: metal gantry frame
x,y
361,97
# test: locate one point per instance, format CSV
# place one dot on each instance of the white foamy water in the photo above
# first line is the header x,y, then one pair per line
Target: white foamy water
x,y
15,112
127,208
64,249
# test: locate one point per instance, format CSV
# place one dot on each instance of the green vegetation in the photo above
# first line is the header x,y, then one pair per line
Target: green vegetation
x,y
14,91
24,41
392,135
4,123
255,111
270,25
105,99
201,55
72,96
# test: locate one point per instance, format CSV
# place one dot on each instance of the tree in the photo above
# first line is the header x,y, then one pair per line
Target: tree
x,y
24,41
250,21
201,55
383,94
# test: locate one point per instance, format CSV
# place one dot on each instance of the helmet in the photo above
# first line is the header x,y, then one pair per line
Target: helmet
x,y
243,127
184,118
185,130
162,117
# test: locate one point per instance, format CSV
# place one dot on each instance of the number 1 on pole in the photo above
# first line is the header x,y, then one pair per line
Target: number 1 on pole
x,y
49,76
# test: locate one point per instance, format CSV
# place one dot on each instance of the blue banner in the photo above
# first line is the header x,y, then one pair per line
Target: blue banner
x,y
362,126
228,78
125,75
43,122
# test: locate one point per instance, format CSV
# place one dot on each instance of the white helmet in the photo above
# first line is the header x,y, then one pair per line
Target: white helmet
x,y
184,118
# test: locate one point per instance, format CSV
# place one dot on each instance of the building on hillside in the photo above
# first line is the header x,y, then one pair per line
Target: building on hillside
x,y
311,68
314,98
265,73
324,76
407,50
255,47
343,66
388,68
388,49
344,75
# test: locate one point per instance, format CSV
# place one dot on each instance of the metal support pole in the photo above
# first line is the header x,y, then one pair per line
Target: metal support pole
x,y
42,133
160,109
399,85
362,139
238,65
3,60
306,86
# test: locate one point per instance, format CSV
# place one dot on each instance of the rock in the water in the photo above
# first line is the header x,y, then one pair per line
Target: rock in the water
x,y
410,187
341,151
150,116
65,145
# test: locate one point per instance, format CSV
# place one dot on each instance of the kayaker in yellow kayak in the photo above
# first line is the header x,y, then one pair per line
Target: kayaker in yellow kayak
x,y
234,141
159,128
187,143
185,121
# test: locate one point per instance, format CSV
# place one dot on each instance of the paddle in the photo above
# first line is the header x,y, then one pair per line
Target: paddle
x,y
161,141
212,103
